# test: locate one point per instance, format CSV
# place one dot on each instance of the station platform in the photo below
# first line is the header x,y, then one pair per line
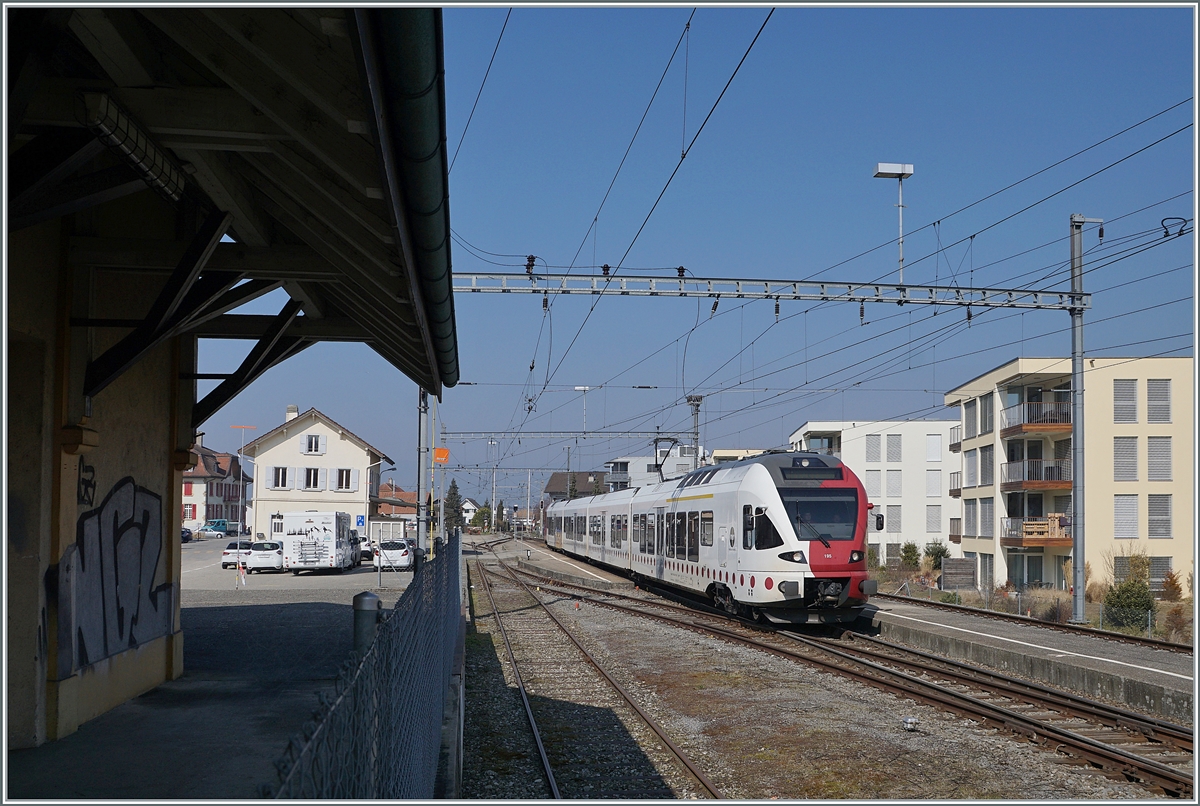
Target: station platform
x,y
1153,681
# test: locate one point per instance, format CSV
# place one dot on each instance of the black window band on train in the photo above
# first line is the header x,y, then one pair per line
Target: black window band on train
x,y
821,514
810,473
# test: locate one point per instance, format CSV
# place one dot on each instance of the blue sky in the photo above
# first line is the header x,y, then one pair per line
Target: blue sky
x,y
777,185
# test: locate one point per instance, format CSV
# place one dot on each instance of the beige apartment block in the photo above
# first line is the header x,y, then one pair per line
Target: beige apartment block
x,y
1016,475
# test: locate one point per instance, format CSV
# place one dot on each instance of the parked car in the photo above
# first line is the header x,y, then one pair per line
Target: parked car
x,y
185,535
366,550
213,528
236,549
394,555
265,556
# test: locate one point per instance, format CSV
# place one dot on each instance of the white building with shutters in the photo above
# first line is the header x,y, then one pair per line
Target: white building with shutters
x,y
1016,474
904,466
313,463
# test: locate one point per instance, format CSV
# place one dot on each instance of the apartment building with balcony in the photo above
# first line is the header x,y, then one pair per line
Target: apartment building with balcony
x,y
638,471
904,466
1015,471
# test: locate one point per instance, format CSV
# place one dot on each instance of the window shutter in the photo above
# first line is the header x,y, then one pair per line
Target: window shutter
x,y
1158,458
971,423
1125,459
972,468
933,484
1124,400
322,477
933,518
1158,400
987,517
893,519
324,443
1125,517
291,479
971,517
933,447
1159,507
873,483
894,482
304,443
354,480
872,447
893,448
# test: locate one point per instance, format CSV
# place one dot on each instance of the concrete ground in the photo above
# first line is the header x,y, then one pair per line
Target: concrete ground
x,y
254,658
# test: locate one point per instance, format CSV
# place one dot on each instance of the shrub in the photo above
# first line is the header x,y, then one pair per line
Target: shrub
x,y
949,598
1172,591
1056,611
1094,592
936,552
1126,604
1177,625
872,557
910,556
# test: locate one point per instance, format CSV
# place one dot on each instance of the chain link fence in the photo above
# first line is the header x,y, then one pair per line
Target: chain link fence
x,y
379,734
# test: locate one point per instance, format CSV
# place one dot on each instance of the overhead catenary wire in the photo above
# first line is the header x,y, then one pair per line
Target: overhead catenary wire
x,y
480,93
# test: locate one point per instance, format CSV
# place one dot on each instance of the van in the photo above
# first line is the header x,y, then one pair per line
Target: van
x,y
317,540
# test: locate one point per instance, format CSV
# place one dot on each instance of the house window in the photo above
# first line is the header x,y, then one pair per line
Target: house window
x,y
187,488
1159,507
972,468
347,480
985,414
894,481
971,517
1125,517
312,478
933,484
873,483
987,517
280,478
933,447
893,448
276,526
873,447
970,420
987,465
893,519
189,512
1158,458
933,519
1125,459
1125,400
1158,400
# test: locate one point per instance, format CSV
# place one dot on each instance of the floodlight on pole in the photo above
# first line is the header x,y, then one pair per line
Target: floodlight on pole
x,y
899,171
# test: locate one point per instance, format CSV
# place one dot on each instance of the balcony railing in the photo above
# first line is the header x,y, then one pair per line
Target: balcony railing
x,y
956,530
956,483
1055,526
956,439
1036,470
1057,413
614,477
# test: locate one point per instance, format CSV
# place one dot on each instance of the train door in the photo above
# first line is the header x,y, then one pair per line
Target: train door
x,y
659,559
726,546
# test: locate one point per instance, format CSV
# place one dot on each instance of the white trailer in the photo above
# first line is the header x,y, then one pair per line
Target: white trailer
x,y
317,541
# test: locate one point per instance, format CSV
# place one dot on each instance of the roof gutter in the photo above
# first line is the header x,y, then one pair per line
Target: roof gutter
x,y
400,54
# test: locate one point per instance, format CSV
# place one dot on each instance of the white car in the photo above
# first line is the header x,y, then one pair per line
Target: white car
x,y
265,556
394,555
232,552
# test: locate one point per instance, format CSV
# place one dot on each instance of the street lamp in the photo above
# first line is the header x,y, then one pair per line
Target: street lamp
x,y
899,171
366,517
241,492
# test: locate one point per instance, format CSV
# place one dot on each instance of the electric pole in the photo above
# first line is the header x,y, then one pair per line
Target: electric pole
x,y
694,402
1078,558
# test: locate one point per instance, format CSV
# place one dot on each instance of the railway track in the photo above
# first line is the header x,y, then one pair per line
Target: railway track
x,y
571,705
1077,629
1120,743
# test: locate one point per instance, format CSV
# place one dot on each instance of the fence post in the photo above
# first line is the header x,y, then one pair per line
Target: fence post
x,y
367,606
1150,623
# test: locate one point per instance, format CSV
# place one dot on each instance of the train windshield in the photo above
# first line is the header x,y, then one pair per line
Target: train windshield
x,y
821,514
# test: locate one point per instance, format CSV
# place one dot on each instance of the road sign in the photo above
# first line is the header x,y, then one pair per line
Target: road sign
x,y
360,520
441,455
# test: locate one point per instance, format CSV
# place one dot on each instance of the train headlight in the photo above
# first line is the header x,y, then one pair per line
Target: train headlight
x,y
856,556
793,557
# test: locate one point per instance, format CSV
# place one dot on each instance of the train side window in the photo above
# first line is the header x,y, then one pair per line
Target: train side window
x,y
706,528
765,535
693,537
747,527
680,535
669,535
656,537
642,533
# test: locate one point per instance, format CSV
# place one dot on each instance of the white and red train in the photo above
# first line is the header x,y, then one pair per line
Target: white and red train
x,y
780,536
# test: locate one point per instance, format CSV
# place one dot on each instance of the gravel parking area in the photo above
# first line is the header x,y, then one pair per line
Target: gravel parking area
x,y
763,727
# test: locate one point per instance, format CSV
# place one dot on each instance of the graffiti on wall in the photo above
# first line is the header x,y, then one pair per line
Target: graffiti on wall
x,y
107,599
85,494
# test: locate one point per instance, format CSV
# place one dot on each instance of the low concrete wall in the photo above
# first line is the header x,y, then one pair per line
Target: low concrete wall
x,y
1172,704
599,585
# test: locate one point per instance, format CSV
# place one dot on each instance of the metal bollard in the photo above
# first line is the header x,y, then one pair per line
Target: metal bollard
x,y
367,609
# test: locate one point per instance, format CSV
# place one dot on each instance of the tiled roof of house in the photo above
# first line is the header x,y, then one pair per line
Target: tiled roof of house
x,y
584,482
211,464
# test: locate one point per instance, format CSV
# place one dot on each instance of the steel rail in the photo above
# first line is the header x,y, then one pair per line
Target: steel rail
x,y
1078,629
1093,751
1033,693
537,736
654,726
